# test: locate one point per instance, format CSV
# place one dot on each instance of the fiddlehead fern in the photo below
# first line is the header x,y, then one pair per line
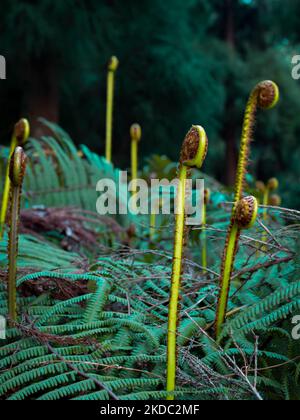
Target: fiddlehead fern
x,y
112,68
20,136
193,154
265,96
17,168
275,200
136,135
246,212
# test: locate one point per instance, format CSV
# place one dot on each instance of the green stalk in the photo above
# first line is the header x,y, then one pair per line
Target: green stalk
x,y
193,154
112,68
16,175
136,135
272,185
20,136
204,239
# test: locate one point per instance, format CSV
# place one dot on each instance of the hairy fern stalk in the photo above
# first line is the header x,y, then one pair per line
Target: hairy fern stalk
x,y
19,138
193,154
112,68
264,96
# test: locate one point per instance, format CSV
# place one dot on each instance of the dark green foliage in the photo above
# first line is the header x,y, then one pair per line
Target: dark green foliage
x,y
180,62
114,336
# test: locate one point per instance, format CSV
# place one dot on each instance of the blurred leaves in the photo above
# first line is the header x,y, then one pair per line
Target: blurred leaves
x,y
176,69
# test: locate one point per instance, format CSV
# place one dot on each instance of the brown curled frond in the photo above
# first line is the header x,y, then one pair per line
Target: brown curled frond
x,y
194,148
22,131
246,212
267,94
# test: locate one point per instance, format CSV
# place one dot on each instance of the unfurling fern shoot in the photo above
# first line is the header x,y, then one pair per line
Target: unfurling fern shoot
x,y
20,136
112,68
193,154
265,96
136,135
17,168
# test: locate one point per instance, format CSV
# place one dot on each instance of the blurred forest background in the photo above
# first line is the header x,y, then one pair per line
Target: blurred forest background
x,y
181,62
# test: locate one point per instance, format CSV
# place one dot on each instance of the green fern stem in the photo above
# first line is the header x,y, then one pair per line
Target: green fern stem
x,y
16,174
153,217
152,226
265,213
193,154
245,217
204,238
136,134
272,185
112,68
231,245
176,280
20,136
265,96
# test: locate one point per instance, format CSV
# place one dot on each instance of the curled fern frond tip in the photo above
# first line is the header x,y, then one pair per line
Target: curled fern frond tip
x,y
267,94
113,63
136,132
195,146
246,212
260,186
273,184
17,166
275,200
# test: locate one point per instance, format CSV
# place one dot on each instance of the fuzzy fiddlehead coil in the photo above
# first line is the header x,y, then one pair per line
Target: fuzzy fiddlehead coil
x,y
194,148
19,138
246,212
22,131
264,96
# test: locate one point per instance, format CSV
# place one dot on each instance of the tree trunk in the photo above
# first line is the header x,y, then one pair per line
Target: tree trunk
x,y
42,96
